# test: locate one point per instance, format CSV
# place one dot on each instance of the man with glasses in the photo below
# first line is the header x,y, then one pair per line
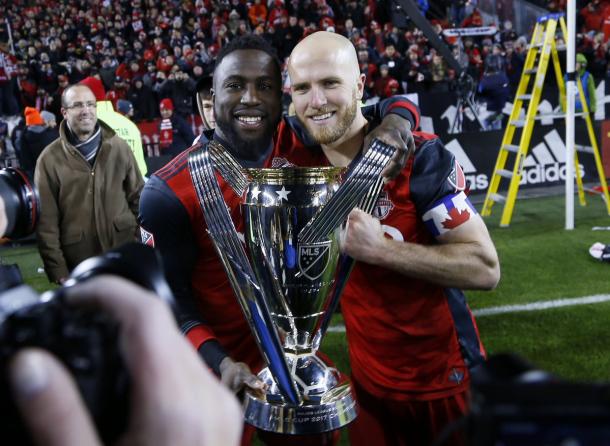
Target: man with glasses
x,y
89,184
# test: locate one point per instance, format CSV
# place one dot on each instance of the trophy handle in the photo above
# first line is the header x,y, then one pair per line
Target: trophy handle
x,y
346,263
361,179
233,257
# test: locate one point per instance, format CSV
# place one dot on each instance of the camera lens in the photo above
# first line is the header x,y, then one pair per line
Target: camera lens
x,y
21,202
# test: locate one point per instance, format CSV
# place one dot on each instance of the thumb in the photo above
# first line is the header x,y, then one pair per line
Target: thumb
x,y
366,143
343,234
49,401
253,382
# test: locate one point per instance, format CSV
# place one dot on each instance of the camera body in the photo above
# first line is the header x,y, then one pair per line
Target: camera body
x,y
84,339
21,203
516,404
86,343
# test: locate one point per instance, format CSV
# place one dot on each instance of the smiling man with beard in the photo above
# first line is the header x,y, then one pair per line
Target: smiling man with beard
x,y
412,338
89,185
246,92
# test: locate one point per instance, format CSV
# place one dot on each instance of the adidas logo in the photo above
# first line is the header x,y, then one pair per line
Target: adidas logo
x,y
546,162
476,180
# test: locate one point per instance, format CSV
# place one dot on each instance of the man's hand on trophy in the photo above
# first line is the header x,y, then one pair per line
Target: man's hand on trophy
x,y
237,376
395,131
362,238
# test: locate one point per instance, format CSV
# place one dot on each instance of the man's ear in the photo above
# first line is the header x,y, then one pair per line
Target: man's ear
x,y
360,86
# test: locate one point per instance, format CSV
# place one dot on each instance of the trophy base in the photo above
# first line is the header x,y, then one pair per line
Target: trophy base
x,y
328,403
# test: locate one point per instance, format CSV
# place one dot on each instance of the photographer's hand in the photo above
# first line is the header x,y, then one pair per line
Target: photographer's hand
x,y
175,400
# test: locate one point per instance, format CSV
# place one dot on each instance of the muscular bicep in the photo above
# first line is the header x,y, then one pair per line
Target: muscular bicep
x,y
471,240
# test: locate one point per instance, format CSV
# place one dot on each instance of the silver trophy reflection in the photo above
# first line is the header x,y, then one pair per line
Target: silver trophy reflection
x,y
289,277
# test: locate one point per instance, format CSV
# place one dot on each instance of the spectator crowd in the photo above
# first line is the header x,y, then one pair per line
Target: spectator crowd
x,y
144,51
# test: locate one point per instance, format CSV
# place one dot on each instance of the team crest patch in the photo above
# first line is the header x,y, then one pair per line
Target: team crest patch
x,y
448,213
147,237
383,207
313,259
456,178
456,376
280,162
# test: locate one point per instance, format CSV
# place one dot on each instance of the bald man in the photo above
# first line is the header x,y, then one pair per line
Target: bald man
x,y
89,184
411,336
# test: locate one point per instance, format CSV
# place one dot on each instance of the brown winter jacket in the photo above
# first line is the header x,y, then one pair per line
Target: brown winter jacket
x,y
85,210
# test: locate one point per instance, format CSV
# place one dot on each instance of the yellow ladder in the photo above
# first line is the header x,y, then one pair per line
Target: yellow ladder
x,y
541,50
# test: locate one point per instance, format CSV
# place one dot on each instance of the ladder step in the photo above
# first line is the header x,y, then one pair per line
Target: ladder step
x,y
556,115
593,191
532,71
540,45
511,148
497,198
518,123
524,97
583,149
504,173
550,115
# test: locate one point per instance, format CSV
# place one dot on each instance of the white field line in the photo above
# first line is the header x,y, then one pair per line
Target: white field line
x,y
533,306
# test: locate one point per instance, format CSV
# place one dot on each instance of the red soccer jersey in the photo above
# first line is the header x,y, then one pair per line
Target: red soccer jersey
x,y
404,334
211,289
172,221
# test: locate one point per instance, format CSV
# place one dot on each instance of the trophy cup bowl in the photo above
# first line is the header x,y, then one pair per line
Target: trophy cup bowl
x,y
297,281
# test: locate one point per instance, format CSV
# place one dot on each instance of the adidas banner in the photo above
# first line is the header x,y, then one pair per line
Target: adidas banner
x,y
545,164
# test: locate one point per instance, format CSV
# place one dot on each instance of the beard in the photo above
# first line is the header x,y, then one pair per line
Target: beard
x,y
245,148
328,134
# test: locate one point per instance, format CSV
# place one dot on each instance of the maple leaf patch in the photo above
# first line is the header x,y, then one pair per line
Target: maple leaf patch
x,y
456,218
448,213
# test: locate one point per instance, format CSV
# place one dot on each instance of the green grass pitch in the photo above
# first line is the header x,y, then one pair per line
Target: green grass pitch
x,y
540,261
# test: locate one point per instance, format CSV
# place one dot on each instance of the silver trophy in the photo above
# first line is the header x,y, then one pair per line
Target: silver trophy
x,y
289,275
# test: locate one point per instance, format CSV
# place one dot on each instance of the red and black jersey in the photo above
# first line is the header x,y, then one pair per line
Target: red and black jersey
x,y
192,266
408,338
172,221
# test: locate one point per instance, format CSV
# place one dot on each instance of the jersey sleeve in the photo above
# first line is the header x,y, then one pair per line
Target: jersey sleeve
x,y
165,224
437,185
399,105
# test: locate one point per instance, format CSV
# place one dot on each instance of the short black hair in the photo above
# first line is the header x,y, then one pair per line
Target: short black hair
x,y
249,42
204,86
